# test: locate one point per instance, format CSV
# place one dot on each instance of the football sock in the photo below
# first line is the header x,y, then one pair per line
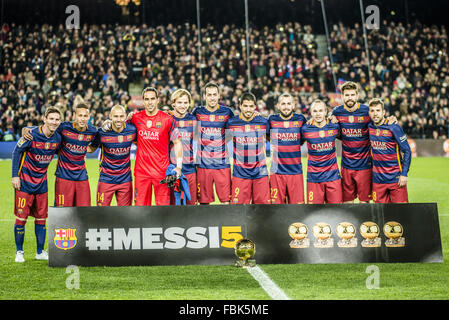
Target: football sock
x,y
19,236
40,231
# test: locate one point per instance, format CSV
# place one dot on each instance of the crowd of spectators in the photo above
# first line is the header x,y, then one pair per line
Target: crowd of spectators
x,y
43,65
409,71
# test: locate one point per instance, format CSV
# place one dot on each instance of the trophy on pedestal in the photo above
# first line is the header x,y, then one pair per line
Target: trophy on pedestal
x,y
346,232
245,250
393,231
298,232
370,231
322,232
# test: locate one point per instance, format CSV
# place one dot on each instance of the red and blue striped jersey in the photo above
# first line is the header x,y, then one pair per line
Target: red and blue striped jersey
x,y
30,160
322,157
115,164
285,141
186,127
387,143
249,138
212,152
354,137
71,156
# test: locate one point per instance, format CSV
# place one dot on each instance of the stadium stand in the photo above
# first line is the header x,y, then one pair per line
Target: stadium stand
x,y
44,65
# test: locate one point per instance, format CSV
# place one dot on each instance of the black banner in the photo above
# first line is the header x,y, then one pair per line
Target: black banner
x,y
206,235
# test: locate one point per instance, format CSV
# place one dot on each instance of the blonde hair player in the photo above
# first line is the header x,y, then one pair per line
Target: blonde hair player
x,y
182,102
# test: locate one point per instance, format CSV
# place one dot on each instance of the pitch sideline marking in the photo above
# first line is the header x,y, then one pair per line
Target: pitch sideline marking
x,y
267,284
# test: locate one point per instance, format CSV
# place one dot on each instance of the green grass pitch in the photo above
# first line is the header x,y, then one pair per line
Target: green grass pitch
x,y
428,182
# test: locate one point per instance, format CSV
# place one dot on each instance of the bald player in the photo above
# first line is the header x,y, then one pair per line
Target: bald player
x,y
115,165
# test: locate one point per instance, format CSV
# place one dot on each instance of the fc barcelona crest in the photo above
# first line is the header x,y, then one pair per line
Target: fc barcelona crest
x,y
351,119
158,124
361,119
65,239
322,134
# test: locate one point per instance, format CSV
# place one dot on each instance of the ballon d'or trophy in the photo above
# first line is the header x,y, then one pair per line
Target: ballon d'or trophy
x,y
298,232
245,250
370,231
346,232
393,231
322,232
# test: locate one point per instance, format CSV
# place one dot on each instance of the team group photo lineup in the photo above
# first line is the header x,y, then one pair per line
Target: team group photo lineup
x,y
248,150
183,156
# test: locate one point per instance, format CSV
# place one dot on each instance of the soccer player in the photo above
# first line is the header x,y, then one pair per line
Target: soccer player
x,y
356,162
115,165
286,179
72,182
213,166
323,175
390,168
250,182
155,130
30,161
186,122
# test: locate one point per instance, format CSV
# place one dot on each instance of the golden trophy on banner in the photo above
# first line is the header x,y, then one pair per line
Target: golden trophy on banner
x,y
370,231
393,231
322,232
346,232
245,250
298,232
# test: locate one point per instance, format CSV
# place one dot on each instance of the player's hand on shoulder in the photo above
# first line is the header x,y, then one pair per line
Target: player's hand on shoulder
x,y
107,125
130,115
392,120
333,119
26,133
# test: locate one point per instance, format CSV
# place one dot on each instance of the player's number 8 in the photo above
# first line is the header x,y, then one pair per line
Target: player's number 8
x,y
310,196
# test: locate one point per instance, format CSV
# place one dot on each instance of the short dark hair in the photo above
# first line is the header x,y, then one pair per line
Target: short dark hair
x,y
248,96
349,85
211,84
150,89
81,105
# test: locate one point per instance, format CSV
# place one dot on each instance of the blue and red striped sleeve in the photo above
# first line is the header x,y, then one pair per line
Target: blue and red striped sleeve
x,y
21,147
404,147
